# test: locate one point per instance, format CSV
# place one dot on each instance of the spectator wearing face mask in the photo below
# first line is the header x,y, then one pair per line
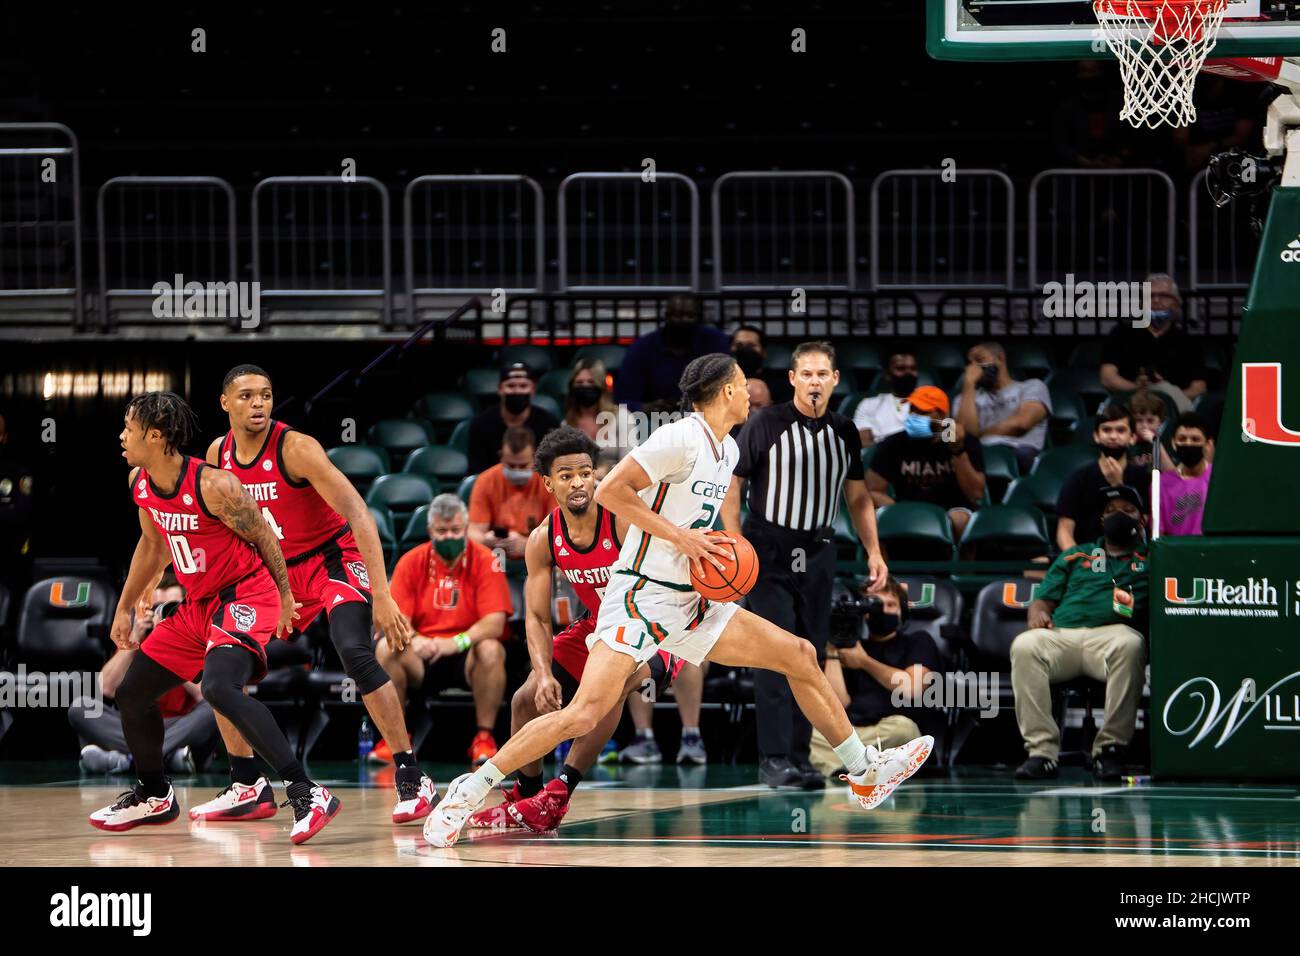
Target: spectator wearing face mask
x,y
1183,490
653,364
997,409
588,406
510,499
1159,353
932,459
879,416
1079,503
768,385
515,409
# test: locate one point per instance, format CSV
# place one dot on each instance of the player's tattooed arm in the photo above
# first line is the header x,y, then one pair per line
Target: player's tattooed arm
x,y
226,498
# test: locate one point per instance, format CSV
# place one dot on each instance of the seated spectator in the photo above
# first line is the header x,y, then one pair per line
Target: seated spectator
x,y
510,499
455,594
1149,414
880,416
1183,490
653,364
1159,353
688,692
933,459
864,677
760,396
997,409
1078,506
515,409
189,727
588,405
1086,620
749,349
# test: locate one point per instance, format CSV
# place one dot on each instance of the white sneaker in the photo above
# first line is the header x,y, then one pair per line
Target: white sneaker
x,y
239,801
887,769
442,827
96,759
133,809
311,813
415,800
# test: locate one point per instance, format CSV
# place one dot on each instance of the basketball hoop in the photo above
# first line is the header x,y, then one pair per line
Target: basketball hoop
x,y
1161,45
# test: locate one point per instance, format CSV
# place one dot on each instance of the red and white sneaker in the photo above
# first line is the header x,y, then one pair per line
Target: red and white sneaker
x,y
888,768
311,812
381,753
415,799
134,809
482,748
497,817
543,811
239,801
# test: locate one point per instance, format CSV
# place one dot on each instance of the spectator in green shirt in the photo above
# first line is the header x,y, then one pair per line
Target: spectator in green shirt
x,y
1086,619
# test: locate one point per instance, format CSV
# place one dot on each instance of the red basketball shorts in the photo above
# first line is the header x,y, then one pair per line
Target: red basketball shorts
x,y
326,577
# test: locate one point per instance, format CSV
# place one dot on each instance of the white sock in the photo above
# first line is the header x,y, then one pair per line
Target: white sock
x,y
854,754
479,784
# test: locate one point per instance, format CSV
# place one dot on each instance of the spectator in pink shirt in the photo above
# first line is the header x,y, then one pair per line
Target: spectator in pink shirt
x,y
1183,490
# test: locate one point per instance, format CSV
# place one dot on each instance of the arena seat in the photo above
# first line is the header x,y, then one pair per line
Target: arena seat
x,y
776,355
63,624
554,383
1082,381
481,385
915,531
1006,533
859,362
446,465
1029,360
443,410
400,436
459,439
1000,469
1069,423
935,606
536,357
1063,460
550,404
401,494
610,356
417,531
384,525
880,383
465,487
360,464
941,357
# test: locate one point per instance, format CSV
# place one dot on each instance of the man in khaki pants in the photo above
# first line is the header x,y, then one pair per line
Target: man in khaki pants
x,y
1084,621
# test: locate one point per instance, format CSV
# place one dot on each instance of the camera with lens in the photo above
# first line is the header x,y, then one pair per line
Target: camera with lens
x,y
1237,174
847,618
165,609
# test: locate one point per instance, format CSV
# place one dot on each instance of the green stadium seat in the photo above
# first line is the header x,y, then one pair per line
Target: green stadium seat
x,y
940,357
1064,460
846,538
1005,533
932,605
400,436
446,465
915,531
1037,491
1029,359
536,357
465,487
555,383
417,531
549,403
1082,381
444,410
401,494
480,384
858,362
1087,354
776,355
849,403
459,439
868,454
1070,423
881,382
360,464
1000,469
610,356
384,525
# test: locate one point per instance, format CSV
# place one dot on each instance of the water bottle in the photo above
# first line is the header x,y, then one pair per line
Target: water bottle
x,y
365,740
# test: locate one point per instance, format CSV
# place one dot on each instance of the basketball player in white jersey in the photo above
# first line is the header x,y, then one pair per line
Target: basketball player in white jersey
x,y
669,490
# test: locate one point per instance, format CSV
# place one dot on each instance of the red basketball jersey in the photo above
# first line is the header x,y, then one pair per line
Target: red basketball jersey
x,y
206,555
586,570
296,513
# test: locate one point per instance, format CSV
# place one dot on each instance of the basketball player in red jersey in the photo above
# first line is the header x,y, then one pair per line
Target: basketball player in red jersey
x,y
237,597
582,541
336,566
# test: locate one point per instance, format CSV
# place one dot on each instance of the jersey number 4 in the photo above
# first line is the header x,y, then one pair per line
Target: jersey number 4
x,y
270,520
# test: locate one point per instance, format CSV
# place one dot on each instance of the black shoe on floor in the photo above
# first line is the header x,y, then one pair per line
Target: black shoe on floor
x,y
1109,764
1038,768
779,774
813,779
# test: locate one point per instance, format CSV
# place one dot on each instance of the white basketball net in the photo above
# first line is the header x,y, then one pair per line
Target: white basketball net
x,y
1161,45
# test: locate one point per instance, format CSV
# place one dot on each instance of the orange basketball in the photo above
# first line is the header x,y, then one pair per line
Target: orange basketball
x,y
740,571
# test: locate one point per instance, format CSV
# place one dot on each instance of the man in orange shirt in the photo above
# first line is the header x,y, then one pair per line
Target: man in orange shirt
x,y
510,499
454,592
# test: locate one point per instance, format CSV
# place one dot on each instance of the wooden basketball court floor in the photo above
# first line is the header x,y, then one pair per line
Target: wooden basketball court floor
x,y
705,816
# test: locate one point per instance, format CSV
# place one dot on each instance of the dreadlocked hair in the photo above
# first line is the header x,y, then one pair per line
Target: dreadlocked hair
x,y
703,379
167,412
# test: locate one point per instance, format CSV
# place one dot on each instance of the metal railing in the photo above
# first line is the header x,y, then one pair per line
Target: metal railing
x,y
175,229
642,238
1221,244
1100,224
473,236
783,231
350,258
943,233
40,216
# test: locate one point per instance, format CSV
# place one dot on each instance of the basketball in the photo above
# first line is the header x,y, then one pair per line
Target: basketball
x,y
740,571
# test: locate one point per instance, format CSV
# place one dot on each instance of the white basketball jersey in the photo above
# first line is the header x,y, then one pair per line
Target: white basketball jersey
x,y
689,471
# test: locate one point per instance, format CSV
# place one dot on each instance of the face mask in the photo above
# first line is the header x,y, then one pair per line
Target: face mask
x,y
1162,318
880,623
1190,455
917,426
449,549
679,335
584,396
903,385
989,380
516,402
749,360
1121,529
518,476
1112,452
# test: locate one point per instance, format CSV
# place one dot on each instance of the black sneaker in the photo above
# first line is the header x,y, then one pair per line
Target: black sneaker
x,y
779,774
1038,768
812,777
1108,765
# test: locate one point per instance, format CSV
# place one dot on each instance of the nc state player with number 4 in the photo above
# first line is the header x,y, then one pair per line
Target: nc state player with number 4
x,y
237,597
336,566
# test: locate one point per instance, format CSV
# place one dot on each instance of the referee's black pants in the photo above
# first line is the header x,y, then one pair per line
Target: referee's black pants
x,y
793,591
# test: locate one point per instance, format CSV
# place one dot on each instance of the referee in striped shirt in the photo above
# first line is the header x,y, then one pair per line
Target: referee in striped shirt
x,y
795,458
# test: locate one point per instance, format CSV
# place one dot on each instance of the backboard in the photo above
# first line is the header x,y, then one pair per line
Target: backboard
x,y
1067,30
